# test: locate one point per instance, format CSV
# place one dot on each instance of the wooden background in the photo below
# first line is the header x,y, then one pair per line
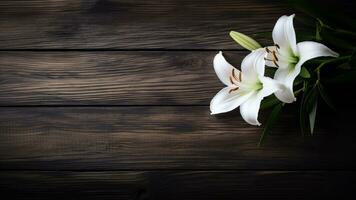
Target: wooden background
x,y
109,99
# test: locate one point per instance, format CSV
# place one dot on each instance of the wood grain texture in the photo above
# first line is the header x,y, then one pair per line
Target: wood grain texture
x,y
115,78
120,138
123,24
188,185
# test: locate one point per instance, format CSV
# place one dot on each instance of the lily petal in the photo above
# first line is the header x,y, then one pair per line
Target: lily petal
x,y
287,76
283,34
249,109
272,58
309,50
253,65
270,86
224,70
225,101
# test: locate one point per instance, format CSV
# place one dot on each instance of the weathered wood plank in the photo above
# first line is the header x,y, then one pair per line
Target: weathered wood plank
x,y
116,78
123,24
188,185
106,138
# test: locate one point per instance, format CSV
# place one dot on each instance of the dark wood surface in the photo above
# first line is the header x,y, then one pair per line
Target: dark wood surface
x,y
134,24
161,137
188,185
109,99
114,78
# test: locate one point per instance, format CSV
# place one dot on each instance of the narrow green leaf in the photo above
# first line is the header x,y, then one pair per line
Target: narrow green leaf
x,y
302,110
304,73
310,99
325,96
312,116
298,80
245,41
310,105
269,102
302,114
270,121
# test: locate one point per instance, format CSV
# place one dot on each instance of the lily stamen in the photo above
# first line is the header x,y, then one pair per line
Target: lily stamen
x,y
272,60
274,55
267,50
233,74
234,89
291,56
247,93
275,62
232,80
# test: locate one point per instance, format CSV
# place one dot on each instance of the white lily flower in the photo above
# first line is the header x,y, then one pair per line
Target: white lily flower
x,y
289,56
245,88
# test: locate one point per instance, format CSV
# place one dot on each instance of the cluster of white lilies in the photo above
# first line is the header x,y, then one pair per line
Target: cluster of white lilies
x,y
247,88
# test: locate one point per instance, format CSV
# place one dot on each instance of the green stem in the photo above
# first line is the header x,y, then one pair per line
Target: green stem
x,y
298,91
318,74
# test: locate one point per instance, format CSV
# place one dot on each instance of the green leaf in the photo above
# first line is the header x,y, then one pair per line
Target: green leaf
x,y
269,102
310,105
325,96
245,41
302,114
312,116
270,121
310,99
304,73
302,110
298,80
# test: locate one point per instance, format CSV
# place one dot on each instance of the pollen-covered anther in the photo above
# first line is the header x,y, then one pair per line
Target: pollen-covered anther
x,y
274,57
275,62
267,50
234,80
233,89
233,73
231,80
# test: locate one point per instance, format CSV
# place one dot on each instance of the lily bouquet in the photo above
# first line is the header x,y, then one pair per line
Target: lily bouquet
x,y
251,89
